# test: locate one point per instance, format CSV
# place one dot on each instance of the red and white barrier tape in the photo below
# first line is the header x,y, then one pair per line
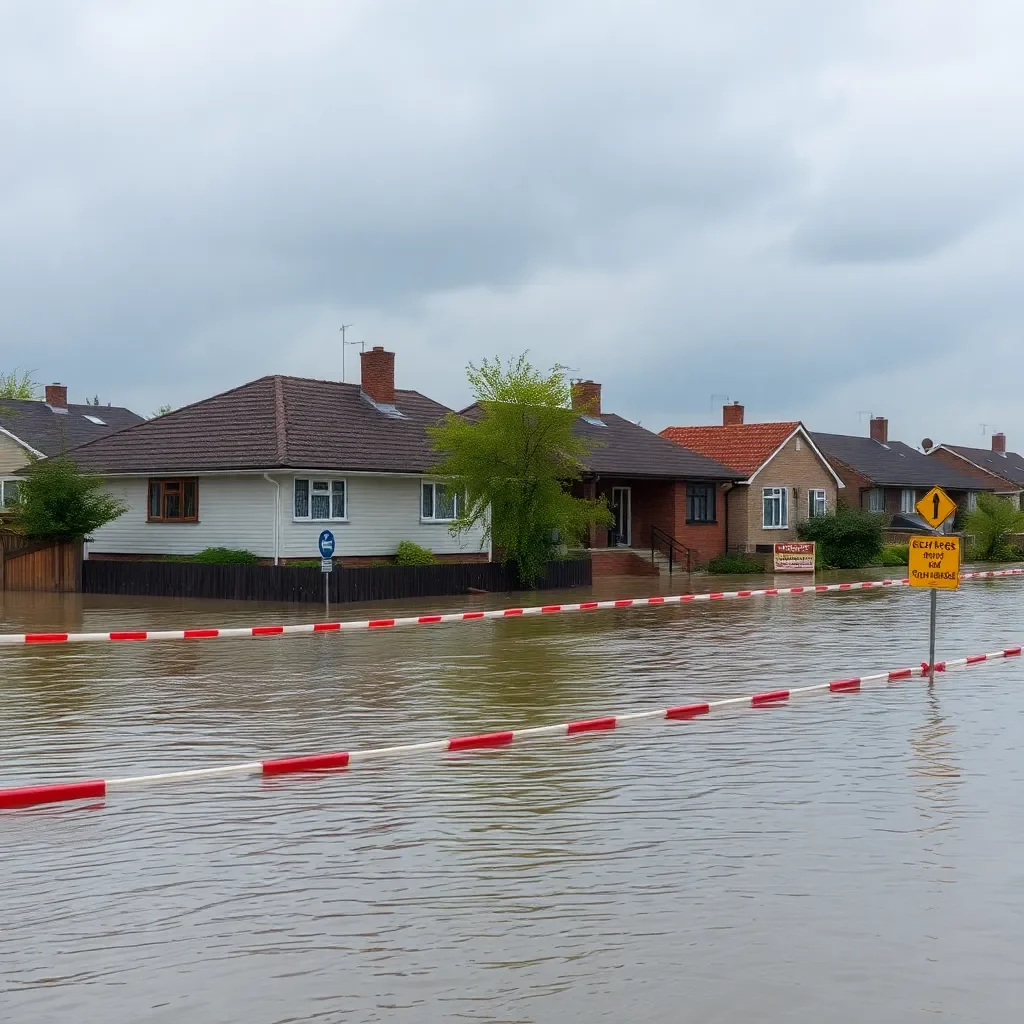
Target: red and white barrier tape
x,y
423,620
27,796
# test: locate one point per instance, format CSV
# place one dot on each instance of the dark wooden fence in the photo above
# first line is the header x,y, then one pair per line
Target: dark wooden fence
x,y
44,565
300,583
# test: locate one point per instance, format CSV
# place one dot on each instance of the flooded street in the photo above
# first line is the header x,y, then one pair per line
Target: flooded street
x,y
841,858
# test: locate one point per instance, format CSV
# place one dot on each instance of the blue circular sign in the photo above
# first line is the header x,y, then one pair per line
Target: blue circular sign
x,y
326,544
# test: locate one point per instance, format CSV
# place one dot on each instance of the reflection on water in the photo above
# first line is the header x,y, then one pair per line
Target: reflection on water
x,y
791,863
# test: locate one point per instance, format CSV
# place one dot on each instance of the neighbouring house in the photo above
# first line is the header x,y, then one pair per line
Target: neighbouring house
x,y
267,466
891,477
994,469
663,496
782,476
31,430
666,501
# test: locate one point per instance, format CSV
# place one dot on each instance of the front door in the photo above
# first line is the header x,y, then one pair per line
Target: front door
x,y
620,532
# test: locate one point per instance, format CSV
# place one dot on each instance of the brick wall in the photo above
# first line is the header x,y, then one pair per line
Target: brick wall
x,y
620,562
797,468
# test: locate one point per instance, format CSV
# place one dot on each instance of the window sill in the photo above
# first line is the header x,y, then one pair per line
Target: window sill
x,y
701,522
784,527
437,522
172,522
316,522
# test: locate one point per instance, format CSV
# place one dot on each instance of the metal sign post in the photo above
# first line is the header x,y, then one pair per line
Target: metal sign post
x,y
326,547
934,561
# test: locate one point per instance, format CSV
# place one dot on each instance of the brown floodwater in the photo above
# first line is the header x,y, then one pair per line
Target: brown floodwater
x,y
845,858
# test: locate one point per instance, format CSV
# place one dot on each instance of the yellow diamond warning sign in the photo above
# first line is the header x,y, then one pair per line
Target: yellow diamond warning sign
x,y
936,507
935,562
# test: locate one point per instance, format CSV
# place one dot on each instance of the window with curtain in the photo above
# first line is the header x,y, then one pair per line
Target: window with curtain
x,y
174,500
700,503
438,503
8,492
775,506
320,499
876,499
908,499
816,502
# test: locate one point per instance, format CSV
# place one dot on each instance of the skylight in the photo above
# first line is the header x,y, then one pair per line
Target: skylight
x,y
593,421
94,419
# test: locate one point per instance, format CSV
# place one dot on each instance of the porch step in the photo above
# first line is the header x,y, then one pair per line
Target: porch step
x,y
660,560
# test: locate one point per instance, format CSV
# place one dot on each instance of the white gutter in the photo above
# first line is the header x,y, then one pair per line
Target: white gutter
x,y
277,516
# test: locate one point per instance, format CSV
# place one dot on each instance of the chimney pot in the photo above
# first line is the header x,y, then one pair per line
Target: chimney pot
x,y
56,396
377,375
880,429
999,442
586,397
732,415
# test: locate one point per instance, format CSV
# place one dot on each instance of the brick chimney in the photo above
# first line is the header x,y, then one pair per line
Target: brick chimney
x,y
999,442
377,373
732,415
880,429
56,396
586,397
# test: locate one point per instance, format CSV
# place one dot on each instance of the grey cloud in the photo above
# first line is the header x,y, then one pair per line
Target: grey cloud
x,y
677,197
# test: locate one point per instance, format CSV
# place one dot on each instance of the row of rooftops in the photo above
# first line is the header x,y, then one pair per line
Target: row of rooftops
x,y
281,422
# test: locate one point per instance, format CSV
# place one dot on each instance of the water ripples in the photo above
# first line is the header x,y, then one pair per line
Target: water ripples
x,y
845,858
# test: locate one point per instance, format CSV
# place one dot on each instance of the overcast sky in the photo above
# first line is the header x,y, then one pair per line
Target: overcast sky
x,y
812,208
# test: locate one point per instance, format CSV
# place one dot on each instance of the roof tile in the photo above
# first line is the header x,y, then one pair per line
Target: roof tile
x,y
744,447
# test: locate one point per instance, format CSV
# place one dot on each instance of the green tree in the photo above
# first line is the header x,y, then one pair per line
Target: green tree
x,y
993,525
847,538
511,464
57,502
14,386
163,410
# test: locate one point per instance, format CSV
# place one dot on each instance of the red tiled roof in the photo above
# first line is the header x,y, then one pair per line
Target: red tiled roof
x,y
744,447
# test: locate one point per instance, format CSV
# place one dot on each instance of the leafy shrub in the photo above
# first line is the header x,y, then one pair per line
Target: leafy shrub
x,y
992,524
847,538
225,556
894,555
733,563
56,502
409,553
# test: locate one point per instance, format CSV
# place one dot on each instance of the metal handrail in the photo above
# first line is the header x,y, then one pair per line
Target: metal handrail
x,y
660,540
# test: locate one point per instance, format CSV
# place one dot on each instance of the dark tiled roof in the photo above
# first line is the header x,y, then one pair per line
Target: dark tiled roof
x,y
1008,465
894,464
275,423
623,448
51,432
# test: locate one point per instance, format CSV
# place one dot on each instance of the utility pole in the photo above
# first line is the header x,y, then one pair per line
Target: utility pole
x,y
343,329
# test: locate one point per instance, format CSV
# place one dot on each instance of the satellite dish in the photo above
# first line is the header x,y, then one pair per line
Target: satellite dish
x,y
927,444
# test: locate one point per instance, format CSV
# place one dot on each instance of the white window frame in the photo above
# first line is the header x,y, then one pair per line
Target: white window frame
x,y
780,495
318,478
880,493
817,502
908,500
972,501
3,483
434,518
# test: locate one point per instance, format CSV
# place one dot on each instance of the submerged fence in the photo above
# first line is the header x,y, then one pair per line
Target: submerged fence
x,y
305,584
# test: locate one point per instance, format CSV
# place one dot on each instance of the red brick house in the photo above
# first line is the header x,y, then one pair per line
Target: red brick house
x,y
890,476
662,495
783,478
993,469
